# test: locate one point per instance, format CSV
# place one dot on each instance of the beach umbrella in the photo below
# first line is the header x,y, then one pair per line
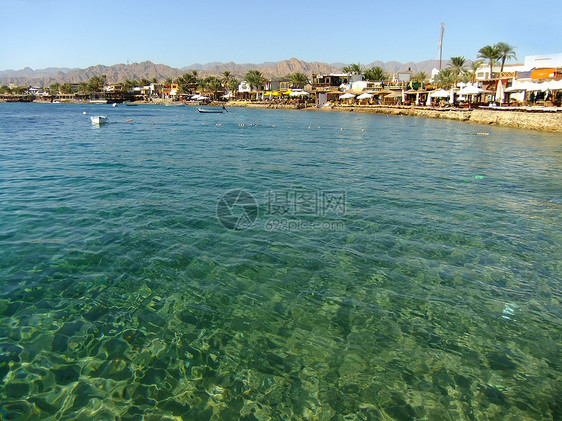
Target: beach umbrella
x,y
203,97
441,93
289,92
395,94
347,96
500,93
228,95
365,96
470,90
299,93
196,96
515,88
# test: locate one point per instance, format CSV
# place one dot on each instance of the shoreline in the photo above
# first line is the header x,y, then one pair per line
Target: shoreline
x,y
537,120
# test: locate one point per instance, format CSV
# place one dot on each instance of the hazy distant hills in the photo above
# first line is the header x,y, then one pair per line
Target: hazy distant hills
x,y
148,70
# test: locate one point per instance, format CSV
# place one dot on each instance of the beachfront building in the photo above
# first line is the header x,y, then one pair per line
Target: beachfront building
x,y
170,90
328,87
531,81
329,81
114,88
539,63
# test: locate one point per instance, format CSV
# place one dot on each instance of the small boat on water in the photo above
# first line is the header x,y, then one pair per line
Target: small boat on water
x,y
212,110
99,119
174,104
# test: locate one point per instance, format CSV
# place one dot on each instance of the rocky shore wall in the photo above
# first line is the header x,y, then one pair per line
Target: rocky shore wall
x,y
547,121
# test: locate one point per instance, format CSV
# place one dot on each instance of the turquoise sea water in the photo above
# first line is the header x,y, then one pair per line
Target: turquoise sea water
x,y
400,268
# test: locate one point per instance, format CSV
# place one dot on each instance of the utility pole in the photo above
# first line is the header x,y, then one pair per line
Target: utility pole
x,y
441,45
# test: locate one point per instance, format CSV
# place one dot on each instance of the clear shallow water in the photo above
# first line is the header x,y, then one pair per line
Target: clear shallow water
x,y
435,295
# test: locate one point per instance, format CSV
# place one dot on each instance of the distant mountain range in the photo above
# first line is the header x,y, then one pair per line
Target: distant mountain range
x,y
148,70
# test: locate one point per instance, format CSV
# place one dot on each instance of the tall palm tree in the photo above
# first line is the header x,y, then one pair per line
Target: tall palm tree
x,y
375,74
298,80
226,76
213,84
445,78
457,67
353,69
83,87
54,88
506,52
66,88
490,53
474,66
233,86
254,78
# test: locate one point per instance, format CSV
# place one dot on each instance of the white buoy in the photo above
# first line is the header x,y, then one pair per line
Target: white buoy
x,y
84,112
114,105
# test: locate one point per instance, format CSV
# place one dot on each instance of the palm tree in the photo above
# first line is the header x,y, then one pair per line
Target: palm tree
x,y
298,80
445,78
457,67
233,86
96,83
471,74
54,88
420,76
66,88
353,69
18,90
490,53
226,76
375,74
202,84
129,84
506,52
83,88
254,78
213,84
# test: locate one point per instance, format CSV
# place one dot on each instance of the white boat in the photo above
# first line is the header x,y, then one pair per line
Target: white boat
x,y
212,110
99,119
98,101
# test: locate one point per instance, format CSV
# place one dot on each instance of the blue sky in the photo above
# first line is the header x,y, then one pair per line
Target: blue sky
x,y
63,33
